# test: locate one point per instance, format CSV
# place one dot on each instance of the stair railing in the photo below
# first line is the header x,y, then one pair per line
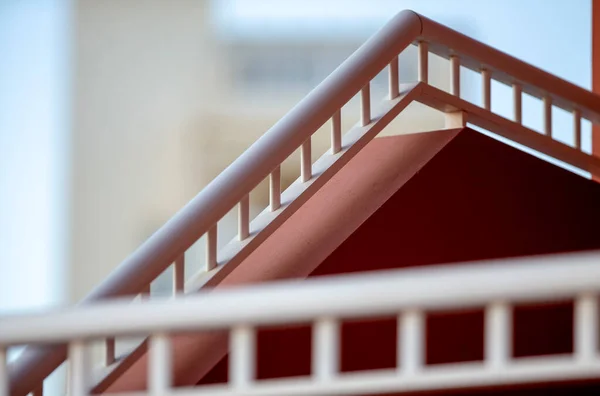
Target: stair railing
x,y
264,158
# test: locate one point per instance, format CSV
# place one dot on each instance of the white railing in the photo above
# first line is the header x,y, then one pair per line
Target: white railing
x,y
408,294
264,158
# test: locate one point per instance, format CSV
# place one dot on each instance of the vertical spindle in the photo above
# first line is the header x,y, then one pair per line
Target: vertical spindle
x,y
242,356
179,274
211,248
586,327
109,351
78,368
393,79
498,340
577,128
275,189
244,218
365,105
547,116
455,75
486,82
159,364
423,62
325,351
306,161
517,103
411,342
336,132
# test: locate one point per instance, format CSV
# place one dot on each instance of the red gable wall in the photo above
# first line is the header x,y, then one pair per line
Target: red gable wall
x,y
477,199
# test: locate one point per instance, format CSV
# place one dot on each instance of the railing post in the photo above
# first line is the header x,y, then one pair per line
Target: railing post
x,y
498,340
423,62
517,103
455,75
577,128
275,189
486,88
159,364
179,274
365,105
242,353
211,248
547,116
244,218
306,161
586,327
325,348
336,132
109,351
411,342
394,85
78,368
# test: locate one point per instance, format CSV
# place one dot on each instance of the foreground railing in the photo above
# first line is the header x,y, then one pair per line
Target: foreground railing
x,y
264,158
408,294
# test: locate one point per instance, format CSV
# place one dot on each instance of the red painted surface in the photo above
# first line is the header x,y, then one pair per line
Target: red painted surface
x,y
477,199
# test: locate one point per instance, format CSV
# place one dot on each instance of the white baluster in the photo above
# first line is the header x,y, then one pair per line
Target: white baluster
x,y
498,340
211,248
110,351
411,342
244,218
325,348
365,105
179,274
393,79
577,128
306,161
78,368
159,364
336,132
518,103
547,116
586,327
275,189
423,62
486,82
242,352
455,75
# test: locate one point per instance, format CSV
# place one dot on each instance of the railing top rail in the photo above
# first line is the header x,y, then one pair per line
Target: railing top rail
x,y
440,287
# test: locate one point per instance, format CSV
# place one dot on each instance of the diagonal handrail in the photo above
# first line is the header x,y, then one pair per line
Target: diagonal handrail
x,y
264,157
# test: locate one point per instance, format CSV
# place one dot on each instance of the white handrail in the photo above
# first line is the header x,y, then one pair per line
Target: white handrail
x,y
265,156
528,279
494,286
